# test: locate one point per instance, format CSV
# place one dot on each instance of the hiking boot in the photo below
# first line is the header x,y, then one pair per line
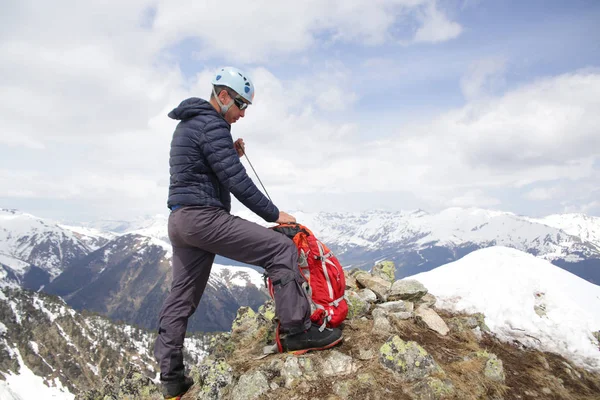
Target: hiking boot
x,y
312,339
173,390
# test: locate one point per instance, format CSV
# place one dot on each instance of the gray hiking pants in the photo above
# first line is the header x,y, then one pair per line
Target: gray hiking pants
x,y
197,234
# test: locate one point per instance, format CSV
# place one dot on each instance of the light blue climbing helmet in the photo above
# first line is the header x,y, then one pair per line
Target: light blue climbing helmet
x,y
237,80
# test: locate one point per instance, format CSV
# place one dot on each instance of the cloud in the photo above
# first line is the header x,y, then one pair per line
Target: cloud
x,y
84,107
476,197
484,77
435,26
260,29
543,193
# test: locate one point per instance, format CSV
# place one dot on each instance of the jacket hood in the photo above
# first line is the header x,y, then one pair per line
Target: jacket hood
x,y
192,107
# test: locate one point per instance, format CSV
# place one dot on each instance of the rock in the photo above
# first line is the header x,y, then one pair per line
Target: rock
x,y
212,377
267,310
432,320
291,371
250,386
221,345
547,391
342,389
407,359
244,325
481,322
378,285
365,379
396,306
428,300
432,389
381,325
365,355
385,270
357,306
407,289
368,295
350,281
494,369
540,309
338,364
402,315
471,322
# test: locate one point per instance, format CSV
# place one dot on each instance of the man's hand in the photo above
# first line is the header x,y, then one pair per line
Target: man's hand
x,y
285,218
240,147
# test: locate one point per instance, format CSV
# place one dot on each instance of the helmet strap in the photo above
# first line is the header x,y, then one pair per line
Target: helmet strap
x,y
224,108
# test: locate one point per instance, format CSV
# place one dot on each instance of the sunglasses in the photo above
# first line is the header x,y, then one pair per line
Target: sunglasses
x,y
241,104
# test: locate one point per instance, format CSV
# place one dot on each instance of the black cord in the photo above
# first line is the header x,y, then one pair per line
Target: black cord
x,y
251,166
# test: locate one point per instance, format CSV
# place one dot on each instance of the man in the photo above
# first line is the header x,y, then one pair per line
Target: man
x,y
205,168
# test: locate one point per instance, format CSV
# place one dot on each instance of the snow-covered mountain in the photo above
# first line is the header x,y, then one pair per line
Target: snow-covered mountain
x,y
49,351
418,241
35,251
129,278
151,225
581,225
524,299
453,227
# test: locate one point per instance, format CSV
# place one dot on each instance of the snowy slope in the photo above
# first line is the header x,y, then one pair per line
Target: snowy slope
x,y
27,385
27,240
152,226
507,285
232,276
73,350
584,226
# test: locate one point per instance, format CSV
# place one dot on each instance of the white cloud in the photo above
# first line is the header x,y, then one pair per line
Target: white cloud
x,y
475,197
84,107
484,77
259,29
544,193
436,27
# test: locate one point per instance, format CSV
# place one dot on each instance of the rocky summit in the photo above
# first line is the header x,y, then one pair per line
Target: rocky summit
x,y
397,349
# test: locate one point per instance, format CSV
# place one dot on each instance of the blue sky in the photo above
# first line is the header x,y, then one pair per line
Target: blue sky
x,y
395,104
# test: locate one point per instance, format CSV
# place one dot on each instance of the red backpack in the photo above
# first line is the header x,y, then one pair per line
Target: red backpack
x,y
324,274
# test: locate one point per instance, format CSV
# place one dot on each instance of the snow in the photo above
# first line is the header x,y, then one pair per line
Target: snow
x,y
21,233
154,227
93,368
453,227
506,284
34,346
237,275
88,233
3,329
15,264
26,385
16,311
39,304
586,227
196,348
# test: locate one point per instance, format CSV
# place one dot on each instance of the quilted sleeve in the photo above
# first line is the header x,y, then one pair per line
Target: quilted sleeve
x,y
222,158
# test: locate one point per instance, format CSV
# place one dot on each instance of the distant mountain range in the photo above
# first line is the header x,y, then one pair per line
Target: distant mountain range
x,y
122,269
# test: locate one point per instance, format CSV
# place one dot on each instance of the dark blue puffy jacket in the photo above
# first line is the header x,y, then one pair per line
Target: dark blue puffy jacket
x,y
205,167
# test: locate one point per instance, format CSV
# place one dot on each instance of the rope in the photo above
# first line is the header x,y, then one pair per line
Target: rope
x,y
251,166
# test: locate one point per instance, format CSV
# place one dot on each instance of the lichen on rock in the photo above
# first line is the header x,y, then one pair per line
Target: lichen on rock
x,y
408,360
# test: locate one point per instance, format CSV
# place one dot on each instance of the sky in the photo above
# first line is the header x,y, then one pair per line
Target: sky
x,y
380,104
